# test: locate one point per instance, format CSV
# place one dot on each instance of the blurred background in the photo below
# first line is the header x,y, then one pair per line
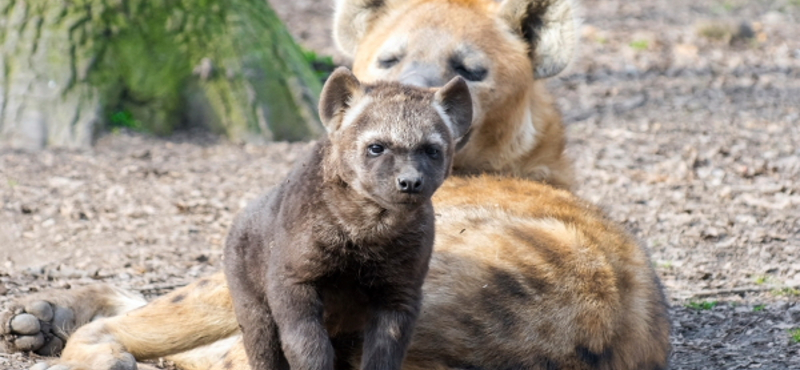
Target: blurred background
x,y
128,147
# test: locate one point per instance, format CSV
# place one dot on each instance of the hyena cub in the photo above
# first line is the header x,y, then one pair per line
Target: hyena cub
x,y
330,263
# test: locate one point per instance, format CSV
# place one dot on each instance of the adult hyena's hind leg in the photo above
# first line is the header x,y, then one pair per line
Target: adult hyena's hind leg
x,y
196,315
42,322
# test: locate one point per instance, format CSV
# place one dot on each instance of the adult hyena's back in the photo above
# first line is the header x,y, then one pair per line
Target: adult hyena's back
x,y
537,280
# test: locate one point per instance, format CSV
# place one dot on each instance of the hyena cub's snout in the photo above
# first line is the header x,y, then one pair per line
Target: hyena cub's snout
x,y
410,182
410,179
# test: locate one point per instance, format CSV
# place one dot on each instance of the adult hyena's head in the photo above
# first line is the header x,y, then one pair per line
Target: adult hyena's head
x,y
499,48
393,143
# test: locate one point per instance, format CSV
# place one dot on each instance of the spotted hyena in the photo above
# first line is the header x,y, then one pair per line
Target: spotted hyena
x,y
523,275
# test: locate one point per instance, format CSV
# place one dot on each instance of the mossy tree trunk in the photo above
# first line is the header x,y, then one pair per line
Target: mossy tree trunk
x,y
68,66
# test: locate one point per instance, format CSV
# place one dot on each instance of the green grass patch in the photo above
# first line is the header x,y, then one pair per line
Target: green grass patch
x,y
322,65
795,335
762,279
785,292
639,45
704,305
759,308
124,119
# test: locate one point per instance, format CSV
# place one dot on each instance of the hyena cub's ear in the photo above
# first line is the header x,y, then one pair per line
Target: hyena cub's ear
x,y
549,26
454,103
338,93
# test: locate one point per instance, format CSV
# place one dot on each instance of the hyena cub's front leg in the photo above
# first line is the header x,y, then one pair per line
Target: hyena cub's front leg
x,y
43,322
388,332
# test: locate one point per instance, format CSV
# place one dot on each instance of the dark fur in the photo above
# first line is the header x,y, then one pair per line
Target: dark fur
x,y
332,261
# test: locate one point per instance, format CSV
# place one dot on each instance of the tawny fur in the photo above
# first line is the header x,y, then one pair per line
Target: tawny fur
x,y
522,275
548,282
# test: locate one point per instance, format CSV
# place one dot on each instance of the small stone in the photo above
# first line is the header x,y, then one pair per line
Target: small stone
x,y
25,324
29,342
40,309
39,366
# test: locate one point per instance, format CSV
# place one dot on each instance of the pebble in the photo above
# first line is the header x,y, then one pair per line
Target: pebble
x,y
25,324
40,309
39,366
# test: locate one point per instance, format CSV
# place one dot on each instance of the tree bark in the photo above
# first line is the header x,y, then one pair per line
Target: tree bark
x,y
229,65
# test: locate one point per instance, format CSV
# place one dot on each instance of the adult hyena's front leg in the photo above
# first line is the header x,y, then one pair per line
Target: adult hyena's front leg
x,y
43,322
195,315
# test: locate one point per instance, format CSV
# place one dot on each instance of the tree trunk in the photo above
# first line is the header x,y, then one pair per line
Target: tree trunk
x,y
68,67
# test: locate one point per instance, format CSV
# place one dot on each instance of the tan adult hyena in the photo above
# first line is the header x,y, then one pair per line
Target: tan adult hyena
x,y
523,275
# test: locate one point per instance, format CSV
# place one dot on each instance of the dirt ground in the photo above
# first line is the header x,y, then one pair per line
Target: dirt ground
x,y
683,118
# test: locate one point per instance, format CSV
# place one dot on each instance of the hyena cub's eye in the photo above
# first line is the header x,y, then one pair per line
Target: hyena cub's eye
x,y
374,150
433,152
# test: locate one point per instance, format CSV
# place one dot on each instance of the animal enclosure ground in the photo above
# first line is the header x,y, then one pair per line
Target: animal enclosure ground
x,y
683,118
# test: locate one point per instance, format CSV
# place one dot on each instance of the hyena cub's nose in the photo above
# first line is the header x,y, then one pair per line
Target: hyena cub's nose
x,y
409,184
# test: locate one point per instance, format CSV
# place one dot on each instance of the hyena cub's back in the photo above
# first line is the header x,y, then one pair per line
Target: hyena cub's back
x,y
336,255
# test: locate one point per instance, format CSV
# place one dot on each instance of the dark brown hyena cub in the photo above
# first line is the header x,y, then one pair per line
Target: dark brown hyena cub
x,y
330,263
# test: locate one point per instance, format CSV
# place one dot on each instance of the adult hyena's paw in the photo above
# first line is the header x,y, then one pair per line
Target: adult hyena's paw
x,y
43,322
36,325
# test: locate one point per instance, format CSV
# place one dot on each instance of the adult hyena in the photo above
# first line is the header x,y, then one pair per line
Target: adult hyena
x,y
523,275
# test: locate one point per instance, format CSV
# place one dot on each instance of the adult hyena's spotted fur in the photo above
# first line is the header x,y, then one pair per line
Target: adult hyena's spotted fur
x,y
522,276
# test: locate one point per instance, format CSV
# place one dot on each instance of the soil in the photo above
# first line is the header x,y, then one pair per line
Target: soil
x,y
683,119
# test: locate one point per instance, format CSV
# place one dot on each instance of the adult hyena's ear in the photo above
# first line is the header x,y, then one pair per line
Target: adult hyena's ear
x,y
338,93
352,20
549,27
454,101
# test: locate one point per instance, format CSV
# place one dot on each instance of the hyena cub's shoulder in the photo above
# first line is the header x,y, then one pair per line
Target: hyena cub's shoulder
x,y
336,255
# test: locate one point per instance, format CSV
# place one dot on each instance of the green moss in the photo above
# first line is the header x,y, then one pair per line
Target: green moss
x,y
759,308
143,57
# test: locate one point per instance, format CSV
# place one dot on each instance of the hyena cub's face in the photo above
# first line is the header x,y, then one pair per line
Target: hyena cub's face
x,y
390,142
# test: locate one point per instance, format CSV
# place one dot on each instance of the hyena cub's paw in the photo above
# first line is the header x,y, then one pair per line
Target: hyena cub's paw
x,y
36,325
